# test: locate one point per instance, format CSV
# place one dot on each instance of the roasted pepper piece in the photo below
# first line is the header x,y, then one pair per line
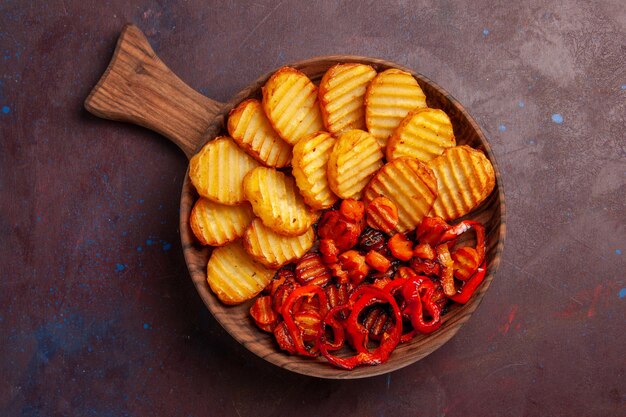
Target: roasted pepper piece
x,y
469,286
401,247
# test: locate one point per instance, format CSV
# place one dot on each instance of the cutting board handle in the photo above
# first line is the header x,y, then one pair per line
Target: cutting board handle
x,y
138,87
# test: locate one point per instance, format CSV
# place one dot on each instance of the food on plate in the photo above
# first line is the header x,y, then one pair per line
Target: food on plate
x,y
391,95
274,250
465,178
290,103
423,134
342,95
276,200
234,276
355,158
217,224
351,246
366,302
217,171
249,127
410,185
310,161
382,214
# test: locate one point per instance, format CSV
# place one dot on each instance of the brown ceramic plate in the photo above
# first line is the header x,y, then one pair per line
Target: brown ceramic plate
x,y
137,87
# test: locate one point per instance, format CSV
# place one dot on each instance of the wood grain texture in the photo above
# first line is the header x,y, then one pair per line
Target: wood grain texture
x,y
137,87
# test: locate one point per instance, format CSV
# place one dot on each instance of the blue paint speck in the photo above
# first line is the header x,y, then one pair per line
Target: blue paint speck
x,y
557,118
623,86
6,109
146,326
167,246
622,293
38,218
521,104
532,142
139,248
485,32
502,127
141,200
618,251
149,242
119,267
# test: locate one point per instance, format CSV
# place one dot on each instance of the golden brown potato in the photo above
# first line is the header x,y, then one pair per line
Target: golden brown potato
x,y
291,105
355,158
217,171
274,250
249,127
310,159
276,200
233,276
465,178
410,184
342,96
216,224
391,95
423,134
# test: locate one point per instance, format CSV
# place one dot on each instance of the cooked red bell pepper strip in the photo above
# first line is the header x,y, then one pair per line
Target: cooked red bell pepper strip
x,y
419,295
469,286
389,340
264,316
338,331
431,229
285,342
465,262
447,270
294,331
463,227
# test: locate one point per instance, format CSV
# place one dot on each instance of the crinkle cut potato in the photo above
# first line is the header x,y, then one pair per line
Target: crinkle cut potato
x,y
234,276
274,250
291,104
342,96
276,200
310,161
391,95
410,184
217,171
355,158
217,224
423,134
465,178
249,127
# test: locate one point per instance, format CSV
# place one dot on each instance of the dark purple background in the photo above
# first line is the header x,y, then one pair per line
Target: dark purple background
x,y
98,316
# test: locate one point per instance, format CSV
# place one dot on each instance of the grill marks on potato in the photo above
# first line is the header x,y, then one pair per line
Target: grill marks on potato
x,y
410,185
355,158
291,104
250,128
310,161
465,178
423,134
234,276
217,224
275,199
391,95
274,250
217,171
342,96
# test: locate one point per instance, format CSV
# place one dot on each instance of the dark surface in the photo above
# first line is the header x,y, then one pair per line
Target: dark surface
x,y
97,312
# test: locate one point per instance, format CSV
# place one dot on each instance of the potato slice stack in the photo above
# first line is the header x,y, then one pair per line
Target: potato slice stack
x,y
380,142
